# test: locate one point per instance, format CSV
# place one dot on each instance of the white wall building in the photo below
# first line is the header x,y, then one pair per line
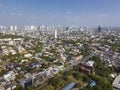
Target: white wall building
x,y
55,33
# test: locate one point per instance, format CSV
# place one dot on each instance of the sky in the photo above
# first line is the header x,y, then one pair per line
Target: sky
x,y
60,12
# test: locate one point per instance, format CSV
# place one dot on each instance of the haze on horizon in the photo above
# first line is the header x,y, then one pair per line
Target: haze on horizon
x,y
63,12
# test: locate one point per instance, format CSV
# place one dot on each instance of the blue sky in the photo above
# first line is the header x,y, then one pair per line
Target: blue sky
x,y
64,12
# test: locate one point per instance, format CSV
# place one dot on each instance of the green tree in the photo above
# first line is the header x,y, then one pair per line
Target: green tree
x,y
70,72
78,85
57,83
19,87
77,76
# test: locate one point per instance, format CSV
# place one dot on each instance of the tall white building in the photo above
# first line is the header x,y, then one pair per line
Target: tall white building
x,y
32,27
15,27
11,27
2,27
27,27
55,33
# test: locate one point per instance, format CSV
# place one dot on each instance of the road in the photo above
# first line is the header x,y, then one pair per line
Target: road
x,y
83,60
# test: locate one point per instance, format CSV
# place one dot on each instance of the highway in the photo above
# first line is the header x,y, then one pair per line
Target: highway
x,y
83,60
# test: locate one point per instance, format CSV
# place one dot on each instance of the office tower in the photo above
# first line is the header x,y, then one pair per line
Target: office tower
x,y
99,29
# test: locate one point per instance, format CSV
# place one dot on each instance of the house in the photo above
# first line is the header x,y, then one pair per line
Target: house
x,y
85,68
92,83
13,52
61,67
7,85
9,76
2,88
55,70
20,49
28,55
116,82
90,63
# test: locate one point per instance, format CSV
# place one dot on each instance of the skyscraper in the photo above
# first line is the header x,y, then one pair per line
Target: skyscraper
x,y
99,29
55,33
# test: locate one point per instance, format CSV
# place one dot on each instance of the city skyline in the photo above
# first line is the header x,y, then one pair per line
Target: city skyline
x,y
64,12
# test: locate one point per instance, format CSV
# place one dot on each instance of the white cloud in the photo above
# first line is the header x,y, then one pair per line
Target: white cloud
x,y
103,15
17,14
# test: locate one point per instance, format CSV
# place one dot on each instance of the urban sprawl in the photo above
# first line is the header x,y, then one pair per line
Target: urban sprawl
x,y
59,58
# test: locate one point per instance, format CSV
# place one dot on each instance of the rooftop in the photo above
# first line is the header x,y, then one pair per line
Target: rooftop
x,y
116,82
69,86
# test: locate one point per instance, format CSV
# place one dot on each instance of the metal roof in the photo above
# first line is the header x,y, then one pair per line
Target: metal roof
x,y
69,86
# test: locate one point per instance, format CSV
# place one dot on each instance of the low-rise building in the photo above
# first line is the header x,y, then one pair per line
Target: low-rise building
x,y
116,82
9,76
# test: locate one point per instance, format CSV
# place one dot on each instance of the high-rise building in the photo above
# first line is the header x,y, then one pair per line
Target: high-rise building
x,y
15,27
32,27
99,29
11,27
55,33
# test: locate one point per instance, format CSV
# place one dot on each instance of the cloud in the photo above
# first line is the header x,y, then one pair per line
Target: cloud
x,y
17,14
103,15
